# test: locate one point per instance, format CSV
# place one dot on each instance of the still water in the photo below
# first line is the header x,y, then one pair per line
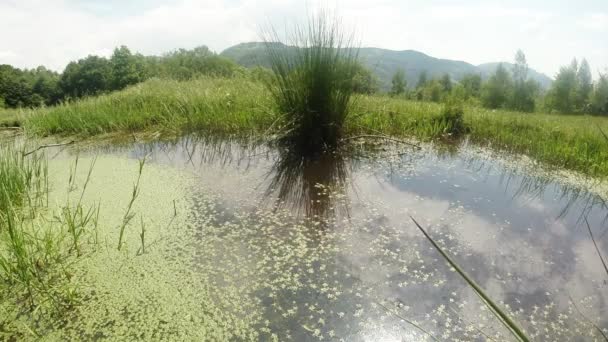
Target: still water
x,y
325,249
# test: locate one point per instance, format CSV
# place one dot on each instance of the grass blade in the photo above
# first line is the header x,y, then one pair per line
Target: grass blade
x,y
596,248
498,312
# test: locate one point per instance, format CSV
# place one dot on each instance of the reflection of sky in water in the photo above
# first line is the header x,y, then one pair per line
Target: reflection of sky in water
x,y
370,275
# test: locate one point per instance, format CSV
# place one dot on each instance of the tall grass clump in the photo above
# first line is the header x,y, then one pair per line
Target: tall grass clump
x,y
22,179
450,120
312,82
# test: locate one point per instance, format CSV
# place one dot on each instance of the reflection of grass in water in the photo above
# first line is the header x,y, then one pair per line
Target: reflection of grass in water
x,y
309,184
498,312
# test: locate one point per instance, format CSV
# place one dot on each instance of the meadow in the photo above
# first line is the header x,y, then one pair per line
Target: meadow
x,y
245,107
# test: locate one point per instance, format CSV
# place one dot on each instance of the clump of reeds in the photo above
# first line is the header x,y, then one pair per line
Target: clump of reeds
x,y
27,250
76,218
22,179
128,214
312,82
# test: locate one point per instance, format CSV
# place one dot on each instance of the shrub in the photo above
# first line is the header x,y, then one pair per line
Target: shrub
x,y
451,118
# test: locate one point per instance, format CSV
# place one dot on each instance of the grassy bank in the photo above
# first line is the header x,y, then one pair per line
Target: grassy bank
x,y
219,105
243,106
574,142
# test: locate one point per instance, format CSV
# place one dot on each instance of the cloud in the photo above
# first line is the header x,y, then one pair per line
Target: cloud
x,y
53,32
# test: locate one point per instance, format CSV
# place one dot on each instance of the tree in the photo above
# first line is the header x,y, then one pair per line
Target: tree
x,y
127,68
599,99
398,83
563,93
520,69
422,79
471,84
585,87
16,88
186,64
446,82
497,90
524,90
46,85
86,77
364,81
432,91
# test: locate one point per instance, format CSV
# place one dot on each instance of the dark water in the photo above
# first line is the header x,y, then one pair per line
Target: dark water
x,y
327,250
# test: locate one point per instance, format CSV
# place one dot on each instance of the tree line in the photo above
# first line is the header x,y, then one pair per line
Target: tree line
x,y
94,75
573,90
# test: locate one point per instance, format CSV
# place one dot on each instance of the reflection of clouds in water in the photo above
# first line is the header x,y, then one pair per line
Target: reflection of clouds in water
x,y
588,260
514,247
524,261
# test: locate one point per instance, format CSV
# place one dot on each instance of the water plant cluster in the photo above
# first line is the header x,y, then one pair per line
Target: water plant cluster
x,y
313,85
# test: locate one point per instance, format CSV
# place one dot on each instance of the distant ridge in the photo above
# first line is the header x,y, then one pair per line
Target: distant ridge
x,y
384,63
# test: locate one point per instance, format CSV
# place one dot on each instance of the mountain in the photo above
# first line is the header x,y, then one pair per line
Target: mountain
x,y
384,63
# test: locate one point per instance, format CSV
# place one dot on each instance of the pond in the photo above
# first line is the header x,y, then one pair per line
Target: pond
x,y
244,242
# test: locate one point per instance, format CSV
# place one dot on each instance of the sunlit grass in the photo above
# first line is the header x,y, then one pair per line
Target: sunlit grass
x,y
212,105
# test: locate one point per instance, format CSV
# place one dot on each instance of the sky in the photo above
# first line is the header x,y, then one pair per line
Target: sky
x,y
550,32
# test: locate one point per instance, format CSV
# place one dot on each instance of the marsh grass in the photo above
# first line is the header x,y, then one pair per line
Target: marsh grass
x,y
29,251
240,106
128,214
36,253
451,119
312,83
22,179
213,105
142,234
75,217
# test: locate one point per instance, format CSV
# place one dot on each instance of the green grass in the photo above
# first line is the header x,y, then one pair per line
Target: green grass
x,y
217,105
572,142
36,250
27,253
242,106
313,83
22,179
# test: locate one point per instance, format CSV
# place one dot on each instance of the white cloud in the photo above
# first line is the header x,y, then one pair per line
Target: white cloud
x,y
53,32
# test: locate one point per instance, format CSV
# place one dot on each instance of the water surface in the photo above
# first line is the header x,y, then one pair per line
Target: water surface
x,y
325,249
